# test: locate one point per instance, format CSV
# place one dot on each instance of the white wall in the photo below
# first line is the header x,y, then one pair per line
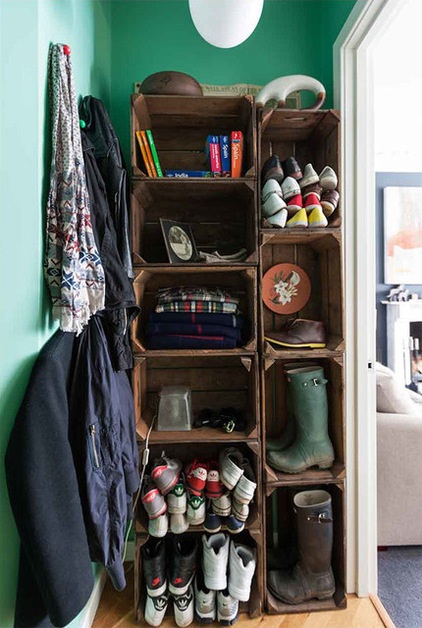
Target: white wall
x,y
398,93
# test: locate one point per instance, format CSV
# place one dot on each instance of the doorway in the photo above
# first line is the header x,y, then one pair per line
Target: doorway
x,y
354,58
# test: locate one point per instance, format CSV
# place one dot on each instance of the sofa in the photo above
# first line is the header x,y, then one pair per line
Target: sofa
x,y
399,456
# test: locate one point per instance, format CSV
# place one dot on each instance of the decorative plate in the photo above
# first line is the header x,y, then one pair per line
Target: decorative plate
x,y
285,288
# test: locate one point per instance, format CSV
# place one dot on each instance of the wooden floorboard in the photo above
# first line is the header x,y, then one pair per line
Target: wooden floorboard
x,y
116,611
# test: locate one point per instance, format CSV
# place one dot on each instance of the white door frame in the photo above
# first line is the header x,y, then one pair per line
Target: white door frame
x,y
353,95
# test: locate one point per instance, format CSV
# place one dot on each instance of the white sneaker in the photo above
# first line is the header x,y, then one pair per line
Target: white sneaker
x,y
240,511
205,600
159,527
177,499
231,470
245,488
179,523
155,608
227,608
196,510
183,608
215,555
241,568
222,505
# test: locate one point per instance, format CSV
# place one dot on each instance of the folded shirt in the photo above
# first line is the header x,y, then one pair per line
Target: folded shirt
x,y
202,318
196,293
197,306
192,329
180,341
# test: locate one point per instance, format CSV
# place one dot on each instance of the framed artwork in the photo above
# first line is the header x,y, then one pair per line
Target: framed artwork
x,y
403,235
179,240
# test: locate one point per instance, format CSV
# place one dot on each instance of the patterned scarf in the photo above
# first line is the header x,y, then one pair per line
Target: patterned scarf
x,y
72,265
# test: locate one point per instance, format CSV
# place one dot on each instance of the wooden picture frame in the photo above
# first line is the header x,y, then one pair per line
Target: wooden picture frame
x,y
179,240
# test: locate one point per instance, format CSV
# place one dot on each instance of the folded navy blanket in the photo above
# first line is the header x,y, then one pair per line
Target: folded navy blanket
x,y
193,329
179,341
202,318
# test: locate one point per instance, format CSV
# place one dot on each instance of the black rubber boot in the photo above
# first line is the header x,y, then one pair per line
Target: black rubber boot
x,y
312,576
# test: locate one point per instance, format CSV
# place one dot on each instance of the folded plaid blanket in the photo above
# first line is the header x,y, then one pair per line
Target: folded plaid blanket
x,y
192,329
202,318
197,306
166,295
179,341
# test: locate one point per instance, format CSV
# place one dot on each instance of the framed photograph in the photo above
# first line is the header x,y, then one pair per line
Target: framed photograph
x,y
403,235
180,245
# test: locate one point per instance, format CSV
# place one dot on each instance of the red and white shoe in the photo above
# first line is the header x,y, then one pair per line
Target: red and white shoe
x,y
165,473
214,488
295,203
311,201
196,476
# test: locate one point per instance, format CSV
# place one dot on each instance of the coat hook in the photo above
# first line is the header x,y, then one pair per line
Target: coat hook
x,y
66,49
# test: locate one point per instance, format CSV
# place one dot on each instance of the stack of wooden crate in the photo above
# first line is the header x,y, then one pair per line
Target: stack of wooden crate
x,y
224,214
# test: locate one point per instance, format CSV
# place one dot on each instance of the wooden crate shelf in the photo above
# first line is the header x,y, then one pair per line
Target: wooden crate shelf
x,y
311,136
225,215
206,452
221,213
273,395
241,281
215,382
180,125
311,477
252,608
321,258
280,525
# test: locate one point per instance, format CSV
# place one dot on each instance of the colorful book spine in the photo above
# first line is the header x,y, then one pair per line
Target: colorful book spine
x,y
225,155
154,152
183,174
236,140
144,153
149,154
212,151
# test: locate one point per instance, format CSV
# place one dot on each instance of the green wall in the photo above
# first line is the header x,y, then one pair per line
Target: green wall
x,y
114,43
292,37
26,29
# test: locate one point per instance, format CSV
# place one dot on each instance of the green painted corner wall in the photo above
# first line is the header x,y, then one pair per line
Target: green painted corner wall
x,y
292,37
113,44
26,29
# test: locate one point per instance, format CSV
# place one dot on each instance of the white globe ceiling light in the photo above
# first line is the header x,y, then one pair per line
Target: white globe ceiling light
x,y
225,23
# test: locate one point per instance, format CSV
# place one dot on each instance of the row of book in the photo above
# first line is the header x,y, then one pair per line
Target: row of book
x,y
149,153
224,156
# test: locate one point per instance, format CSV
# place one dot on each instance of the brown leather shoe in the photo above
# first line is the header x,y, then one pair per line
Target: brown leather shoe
x,y
314,188
291,168
272,169
299,332
329,201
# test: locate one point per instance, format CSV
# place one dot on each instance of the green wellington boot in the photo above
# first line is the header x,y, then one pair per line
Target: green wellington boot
x,y
287,437
312,445
312,576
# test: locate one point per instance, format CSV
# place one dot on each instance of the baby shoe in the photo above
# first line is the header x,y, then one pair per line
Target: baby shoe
x,y
279,219
299,219
328,178
309,176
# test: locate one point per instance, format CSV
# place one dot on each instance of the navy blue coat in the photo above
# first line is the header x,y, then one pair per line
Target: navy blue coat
x,y
70,490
